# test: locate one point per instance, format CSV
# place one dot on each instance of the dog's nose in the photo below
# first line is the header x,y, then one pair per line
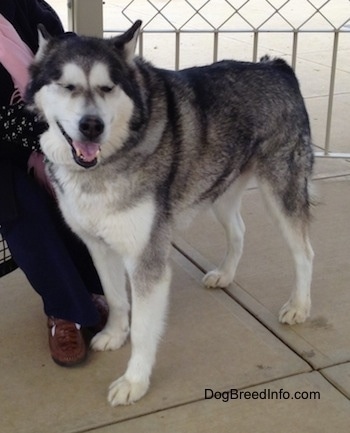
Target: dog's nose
x,y
91,127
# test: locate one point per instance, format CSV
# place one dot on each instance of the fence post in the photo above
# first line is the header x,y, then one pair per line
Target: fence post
x,y
331,93
85,17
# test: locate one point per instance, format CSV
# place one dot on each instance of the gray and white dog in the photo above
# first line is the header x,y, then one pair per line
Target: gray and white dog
x,y
131,148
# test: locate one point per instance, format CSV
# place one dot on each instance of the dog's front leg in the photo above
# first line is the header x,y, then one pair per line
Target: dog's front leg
x,y
111,270
149,307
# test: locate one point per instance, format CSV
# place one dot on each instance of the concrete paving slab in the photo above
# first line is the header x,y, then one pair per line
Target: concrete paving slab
x,y
265,275
330,413
327,167
211,342
343,62
317,108
314,78
339,376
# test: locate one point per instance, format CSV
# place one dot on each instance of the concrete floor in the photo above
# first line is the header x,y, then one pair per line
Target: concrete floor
x,y
215,340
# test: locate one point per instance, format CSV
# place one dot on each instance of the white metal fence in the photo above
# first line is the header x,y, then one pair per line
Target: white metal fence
x,y
313,35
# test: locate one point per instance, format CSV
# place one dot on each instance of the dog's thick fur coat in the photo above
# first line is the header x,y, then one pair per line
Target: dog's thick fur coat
x,y
130,148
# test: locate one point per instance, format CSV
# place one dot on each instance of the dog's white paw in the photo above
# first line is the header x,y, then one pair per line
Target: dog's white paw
x,y
293,312
107,340
123,391
216,278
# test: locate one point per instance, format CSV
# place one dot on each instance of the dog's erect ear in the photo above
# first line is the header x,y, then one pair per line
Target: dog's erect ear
x,y
127,41
43,37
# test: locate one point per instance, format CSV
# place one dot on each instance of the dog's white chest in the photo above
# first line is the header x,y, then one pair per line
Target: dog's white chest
x,y
97,215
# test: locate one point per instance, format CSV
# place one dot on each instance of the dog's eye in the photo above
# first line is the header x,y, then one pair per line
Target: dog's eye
x,y
70,87
106,89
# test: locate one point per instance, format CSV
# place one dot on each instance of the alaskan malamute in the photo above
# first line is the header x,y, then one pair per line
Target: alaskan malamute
x,y
131,147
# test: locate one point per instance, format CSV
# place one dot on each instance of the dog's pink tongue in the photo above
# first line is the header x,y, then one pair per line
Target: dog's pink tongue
x,y
87,151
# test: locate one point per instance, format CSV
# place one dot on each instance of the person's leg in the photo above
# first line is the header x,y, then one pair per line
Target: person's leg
x,y
43,248
78,252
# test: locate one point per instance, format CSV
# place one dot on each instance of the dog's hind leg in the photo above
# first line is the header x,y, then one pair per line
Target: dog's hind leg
x,y
291,210
227,210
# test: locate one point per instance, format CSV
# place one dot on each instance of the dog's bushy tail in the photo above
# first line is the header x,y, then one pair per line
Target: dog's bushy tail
x,y
277,62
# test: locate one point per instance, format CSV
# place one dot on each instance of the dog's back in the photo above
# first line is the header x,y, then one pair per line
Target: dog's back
x,y
223,119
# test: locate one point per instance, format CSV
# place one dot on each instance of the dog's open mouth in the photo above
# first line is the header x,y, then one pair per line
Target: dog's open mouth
x,y
85,153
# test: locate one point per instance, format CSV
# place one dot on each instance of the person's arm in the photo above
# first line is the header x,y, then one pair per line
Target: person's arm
x,y
47,16
20,127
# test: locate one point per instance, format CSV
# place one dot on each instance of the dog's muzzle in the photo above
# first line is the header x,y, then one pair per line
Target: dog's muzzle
x,y
85,153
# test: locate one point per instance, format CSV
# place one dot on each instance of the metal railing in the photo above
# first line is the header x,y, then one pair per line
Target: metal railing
x,y
246,22
7,263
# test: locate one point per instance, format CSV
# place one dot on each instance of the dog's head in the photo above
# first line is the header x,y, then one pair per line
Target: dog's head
x,y
81,87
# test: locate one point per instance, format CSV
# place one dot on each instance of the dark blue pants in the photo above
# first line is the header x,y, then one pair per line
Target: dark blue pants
x,y
55,261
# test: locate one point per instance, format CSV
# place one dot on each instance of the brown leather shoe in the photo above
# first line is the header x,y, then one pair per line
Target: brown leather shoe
x,y
66,342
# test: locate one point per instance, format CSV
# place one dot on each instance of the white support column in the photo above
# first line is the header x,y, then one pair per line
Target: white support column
x,y
85,17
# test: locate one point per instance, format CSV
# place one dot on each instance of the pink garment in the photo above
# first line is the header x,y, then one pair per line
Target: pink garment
x,y
36,165
15,55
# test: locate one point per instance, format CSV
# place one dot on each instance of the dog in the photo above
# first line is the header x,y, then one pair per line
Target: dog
x,y
131,149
